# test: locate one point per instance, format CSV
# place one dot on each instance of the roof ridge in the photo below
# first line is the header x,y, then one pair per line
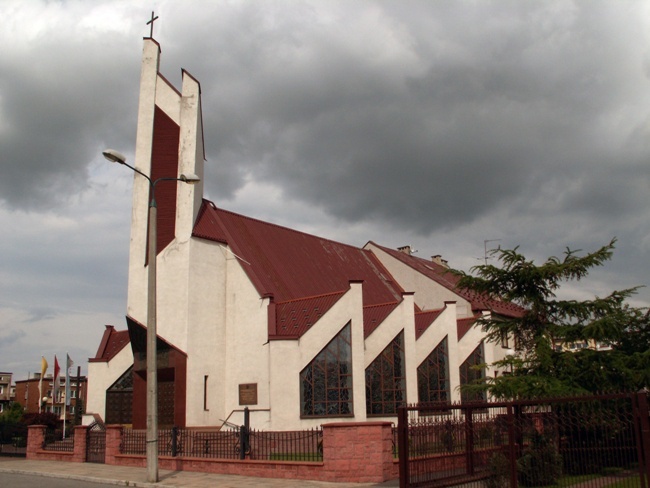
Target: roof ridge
x,y
386,304
280,226
435,310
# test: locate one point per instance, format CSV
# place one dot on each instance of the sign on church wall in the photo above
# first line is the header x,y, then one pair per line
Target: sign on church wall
x,y
248,394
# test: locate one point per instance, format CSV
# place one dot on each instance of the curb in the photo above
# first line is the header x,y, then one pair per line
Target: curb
x,y
89,479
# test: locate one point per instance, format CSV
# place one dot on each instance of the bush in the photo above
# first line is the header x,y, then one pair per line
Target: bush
x,y
49,419
499,469
540,464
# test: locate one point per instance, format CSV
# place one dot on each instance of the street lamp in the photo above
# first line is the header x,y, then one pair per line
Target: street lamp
x,y
152,370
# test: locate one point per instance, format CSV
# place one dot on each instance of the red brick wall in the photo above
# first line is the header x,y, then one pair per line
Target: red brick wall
x,y
352,452
36,435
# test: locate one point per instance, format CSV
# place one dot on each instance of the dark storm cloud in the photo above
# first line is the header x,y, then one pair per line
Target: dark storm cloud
x,y
460,111
56,118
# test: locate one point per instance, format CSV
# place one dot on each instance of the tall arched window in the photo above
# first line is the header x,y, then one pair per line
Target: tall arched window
x,y
433,375
326,382
470,373
386,380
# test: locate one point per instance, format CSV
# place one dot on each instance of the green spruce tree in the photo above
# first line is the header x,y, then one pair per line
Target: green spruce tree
x,y
540,365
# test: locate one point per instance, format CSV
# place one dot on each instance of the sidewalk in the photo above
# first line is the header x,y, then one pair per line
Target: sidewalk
x,y
127,476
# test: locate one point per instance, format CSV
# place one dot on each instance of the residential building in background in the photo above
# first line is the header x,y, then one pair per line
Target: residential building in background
x,y
27,394
5,390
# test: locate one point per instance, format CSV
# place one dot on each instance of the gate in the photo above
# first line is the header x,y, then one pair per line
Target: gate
x,y
594,440
96,443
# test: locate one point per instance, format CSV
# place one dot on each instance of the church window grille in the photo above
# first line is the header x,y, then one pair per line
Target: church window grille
x,y
386,380
433,375
326,382
472,371
119,399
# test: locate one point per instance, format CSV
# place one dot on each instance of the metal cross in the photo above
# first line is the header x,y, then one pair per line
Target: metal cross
x,y
153,19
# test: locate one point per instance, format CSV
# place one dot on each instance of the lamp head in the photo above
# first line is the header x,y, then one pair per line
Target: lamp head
x,y
190,179
113,156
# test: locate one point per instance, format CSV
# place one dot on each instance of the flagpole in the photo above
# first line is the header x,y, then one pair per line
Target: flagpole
x,y
66,404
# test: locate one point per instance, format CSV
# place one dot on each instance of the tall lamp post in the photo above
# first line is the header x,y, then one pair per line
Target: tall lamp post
x,y
152,370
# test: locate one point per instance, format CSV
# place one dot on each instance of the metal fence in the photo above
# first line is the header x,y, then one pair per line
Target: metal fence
x,y
13,439
55,441
230,443
593,441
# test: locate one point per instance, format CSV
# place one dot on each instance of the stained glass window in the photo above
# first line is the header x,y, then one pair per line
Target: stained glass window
x,y
386,380
470,374
326,382
433,375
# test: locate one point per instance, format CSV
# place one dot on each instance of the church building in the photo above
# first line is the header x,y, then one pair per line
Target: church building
x,y
300,329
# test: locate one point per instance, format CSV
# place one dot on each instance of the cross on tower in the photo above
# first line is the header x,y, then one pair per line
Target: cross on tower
x,y
153,19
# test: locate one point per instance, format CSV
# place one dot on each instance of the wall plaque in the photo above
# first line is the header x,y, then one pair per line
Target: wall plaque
x,y
248,394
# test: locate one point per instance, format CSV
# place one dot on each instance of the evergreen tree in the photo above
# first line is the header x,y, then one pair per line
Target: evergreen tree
x,y
540,366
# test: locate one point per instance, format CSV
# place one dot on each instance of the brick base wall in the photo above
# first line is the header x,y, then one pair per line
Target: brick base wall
x,y
35,451
355,452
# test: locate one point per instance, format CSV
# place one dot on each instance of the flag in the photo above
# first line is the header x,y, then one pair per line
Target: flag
x,y
40,382
55,382
68,365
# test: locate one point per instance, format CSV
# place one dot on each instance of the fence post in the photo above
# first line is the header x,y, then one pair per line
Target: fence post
x,y
174,441
35,440
469,439
403,446
642,411
247,430
512,452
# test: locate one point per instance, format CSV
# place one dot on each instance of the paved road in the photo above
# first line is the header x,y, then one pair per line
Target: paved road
x,y
31,481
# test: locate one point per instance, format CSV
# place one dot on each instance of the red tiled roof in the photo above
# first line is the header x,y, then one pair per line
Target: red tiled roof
x,y
373,315
294,317
112,342
424,319
290,265
446,278
463,326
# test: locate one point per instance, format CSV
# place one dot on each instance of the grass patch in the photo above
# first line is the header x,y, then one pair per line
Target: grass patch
x,y
630,482
572,480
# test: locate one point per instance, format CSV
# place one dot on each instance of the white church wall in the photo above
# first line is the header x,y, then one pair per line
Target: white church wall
x,y
137,284
246,338
167,100
101,375
206,343
173,290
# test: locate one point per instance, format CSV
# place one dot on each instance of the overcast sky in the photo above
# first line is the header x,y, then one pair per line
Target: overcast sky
x,y
439,124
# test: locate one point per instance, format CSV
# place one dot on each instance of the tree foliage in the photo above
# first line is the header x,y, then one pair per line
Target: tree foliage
x,y
12,414
539,368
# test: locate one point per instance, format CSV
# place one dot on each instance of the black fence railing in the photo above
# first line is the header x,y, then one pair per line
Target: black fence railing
x,y
13,439
231,443
594,441
55,441
301,445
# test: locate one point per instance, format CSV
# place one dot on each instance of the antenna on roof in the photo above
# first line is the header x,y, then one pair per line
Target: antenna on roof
x,y
485,243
